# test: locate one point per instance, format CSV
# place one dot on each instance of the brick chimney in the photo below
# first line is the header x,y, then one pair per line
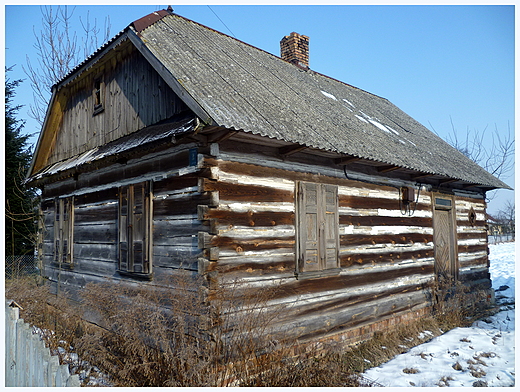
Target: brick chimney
x,y
294,48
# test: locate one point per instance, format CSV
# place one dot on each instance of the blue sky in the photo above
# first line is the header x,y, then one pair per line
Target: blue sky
x,y
440,64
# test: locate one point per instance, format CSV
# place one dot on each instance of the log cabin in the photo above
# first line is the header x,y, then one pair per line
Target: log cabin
x,y
175,147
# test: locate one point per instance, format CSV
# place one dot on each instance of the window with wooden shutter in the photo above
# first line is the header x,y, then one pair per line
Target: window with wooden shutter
x,y
317,227
135,228
64,230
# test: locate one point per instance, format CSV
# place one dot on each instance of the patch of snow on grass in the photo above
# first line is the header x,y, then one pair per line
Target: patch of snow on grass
x,y
480,355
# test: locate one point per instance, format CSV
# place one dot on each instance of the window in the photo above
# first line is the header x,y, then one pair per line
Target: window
x,y
98,95
317,227
63,230
135,228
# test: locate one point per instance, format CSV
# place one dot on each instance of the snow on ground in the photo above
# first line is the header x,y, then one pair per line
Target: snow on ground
x,y
481,355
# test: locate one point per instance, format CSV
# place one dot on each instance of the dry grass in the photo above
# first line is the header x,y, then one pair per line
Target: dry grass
x,y
58,320
170,334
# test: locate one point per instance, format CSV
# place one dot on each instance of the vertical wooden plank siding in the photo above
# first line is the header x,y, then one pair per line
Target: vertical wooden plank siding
x,y
123,82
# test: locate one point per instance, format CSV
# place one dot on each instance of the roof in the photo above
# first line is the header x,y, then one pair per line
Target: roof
x,y
142,139
245,88
229,83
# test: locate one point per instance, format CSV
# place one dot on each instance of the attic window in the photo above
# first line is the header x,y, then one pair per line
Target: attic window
x,y
98,96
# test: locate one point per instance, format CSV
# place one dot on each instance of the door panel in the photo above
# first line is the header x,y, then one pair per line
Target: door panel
x,y
444,238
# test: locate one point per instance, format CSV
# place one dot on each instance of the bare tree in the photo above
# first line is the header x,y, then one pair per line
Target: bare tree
x,y
58,51
506,218
496,155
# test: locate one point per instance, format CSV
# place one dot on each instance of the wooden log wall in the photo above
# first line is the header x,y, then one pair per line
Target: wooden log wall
x,y
386,257
133,96
472,241
233,219
176,197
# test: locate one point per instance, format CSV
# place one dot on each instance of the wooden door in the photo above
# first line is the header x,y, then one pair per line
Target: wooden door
x,y
444,238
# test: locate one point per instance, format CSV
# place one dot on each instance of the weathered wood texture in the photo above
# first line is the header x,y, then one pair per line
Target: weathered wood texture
x,y
133,96
236,221
175,220
386,257
472,241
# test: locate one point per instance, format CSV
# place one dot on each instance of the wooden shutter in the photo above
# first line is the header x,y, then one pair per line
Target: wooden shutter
x,y
67,229
318,234
309,259
134,228
57,230
123,228
331,232
63,230
138,227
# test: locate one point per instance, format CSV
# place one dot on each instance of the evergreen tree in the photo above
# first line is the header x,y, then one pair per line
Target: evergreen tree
x,y
19,201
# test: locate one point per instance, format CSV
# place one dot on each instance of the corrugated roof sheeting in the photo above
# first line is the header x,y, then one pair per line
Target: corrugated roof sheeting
x,y
245,88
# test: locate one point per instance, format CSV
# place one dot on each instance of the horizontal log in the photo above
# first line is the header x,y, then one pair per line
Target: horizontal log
x,y
269,267
240,168
366,239
393,256
478,261
384,221
482,235
364,202
341,282
93,266
165,208
357,319
100,234
241,245
164,230
248,193
472,248
175,257
478,223
96,214
96,251
99,197
250,218
360,298
172,184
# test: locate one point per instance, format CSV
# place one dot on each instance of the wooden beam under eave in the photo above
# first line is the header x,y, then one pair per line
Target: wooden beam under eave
x,y
291,149
447,181
423,175
346,160
386,169
221,136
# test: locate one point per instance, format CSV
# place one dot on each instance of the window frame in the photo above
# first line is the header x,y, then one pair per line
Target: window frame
x,y
98,91
325,229
134,244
